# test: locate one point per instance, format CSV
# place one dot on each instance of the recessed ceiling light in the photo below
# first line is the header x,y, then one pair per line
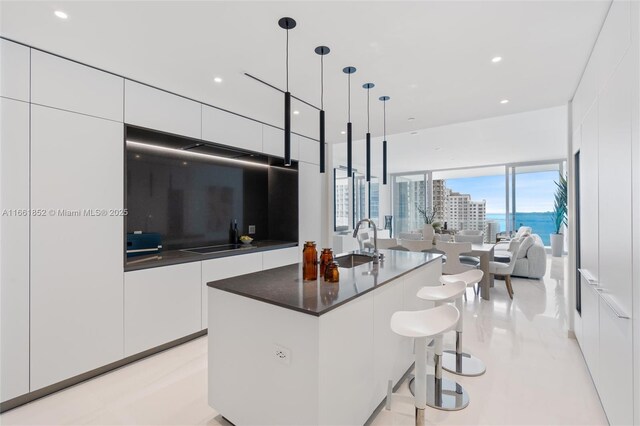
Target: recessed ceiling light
x,y
504,101
343,132
137,155
60,14
296,112
414,133
496,59
437,148
411,118
217,80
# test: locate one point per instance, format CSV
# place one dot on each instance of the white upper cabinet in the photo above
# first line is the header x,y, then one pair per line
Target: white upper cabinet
x,y
309,150
67,85
232,130
159,110
14,70
273,142
14,249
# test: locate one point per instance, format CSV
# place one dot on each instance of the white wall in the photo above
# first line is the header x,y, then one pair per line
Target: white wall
x,y
528,136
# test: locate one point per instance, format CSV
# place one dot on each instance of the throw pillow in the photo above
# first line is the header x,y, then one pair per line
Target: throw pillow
x,y
527,242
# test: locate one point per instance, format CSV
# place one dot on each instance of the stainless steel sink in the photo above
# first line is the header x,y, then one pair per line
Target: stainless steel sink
x,y
352,260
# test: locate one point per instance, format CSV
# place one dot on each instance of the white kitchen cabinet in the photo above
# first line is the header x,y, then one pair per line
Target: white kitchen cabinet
x,y
309,150
14,248
309,210
161,305
230,129
273,142
64,84
146,106
281,257
615,381
226,267
615,193
76,259
15,62
590,342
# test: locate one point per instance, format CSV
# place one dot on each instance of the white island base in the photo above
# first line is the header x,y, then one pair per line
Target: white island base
x,y
336,366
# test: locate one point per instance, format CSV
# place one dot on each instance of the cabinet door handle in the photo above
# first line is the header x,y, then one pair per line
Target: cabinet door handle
x,y
587,276
606,298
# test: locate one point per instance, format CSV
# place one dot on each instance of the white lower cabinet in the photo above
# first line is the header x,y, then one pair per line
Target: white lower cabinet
x,y
76,259
282,257
615,382
14,248
226,267
590,342
161,305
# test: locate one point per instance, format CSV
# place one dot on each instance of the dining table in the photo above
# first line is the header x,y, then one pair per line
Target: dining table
x,y
485,253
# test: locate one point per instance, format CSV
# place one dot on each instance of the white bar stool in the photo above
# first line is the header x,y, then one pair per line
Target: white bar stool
x,y
422,325
459,362
443,394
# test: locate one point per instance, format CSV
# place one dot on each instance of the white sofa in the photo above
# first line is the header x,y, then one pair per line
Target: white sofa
x,y
531,261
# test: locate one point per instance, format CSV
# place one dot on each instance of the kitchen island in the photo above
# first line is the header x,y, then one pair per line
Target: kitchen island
x,y
284,351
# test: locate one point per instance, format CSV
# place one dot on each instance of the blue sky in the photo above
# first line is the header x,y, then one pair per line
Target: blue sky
x,y
534,191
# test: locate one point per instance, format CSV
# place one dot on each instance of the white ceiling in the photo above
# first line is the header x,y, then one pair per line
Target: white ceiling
x,y
516,138
432,58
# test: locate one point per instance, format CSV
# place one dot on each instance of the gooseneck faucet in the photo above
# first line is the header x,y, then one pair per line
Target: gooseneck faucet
x,y
376,254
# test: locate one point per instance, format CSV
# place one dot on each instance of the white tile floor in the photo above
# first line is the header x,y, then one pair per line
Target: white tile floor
x,y
535,375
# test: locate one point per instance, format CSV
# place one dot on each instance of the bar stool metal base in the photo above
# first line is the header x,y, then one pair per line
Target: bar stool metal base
x,y
453,397
464,365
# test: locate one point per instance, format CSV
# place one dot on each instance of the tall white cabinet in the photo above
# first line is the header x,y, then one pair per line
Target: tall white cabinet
x,y
605,128
76,261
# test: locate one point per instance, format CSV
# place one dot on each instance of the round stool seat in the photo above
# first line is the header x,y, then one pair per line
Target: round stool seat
x,y
469,277
425,323
443,293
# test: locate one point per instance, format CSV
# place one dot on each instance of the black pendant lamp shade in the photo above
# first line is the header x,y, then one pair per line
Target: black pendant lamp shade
x,y
368,86
384,100
349,71
287,24
322,50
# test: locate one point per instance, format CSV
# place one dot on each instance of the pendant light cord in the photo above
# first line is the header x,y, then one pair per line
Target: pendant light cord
x,y
287,60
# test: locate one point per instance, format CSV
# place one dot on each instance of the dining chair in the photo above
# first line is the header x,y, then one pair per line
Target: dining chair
x,y
453,252
409,236
364,241
506,269
416,245
387,243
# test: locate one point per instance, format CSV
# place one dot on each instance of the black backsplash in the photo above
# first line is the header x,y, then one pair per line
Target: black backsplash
x,y
192,199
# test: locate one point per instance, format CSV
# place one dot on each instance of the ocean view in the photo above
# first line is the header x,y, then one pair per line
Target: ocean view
x,y
540,222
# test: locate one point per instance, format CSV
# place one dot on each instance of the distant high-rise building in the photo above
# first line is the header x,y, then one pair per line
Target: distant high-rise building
x,y
440,192
458,210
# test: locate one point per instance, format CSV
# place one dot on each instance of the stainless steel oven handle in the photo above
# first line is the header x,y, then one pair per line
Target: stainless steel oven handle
x,y
587,276
611,304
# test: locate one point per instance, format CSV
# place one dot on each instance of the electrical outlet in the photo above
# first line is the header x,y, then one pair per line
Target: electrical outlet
x,y
282,354
252,229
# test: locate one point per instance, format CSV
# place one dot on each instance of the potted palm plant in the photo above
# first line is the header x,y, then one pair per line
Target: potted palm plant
x,y
559,216
428,216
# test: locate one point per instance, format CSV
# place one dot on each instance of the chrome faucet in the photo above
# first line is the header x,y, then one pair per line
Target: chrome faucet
x,y
376,254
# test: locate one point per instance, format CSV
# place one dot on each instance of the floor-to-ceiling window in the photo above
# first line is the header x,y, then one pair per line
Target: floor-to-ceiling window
x,y
342,198
354,198
409,193
532,196
471,199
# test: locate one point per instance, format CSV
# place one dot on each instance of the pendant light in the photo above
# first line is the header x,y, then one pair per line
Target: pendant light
x,y
349,71
322,50
368,86
384,100
287,24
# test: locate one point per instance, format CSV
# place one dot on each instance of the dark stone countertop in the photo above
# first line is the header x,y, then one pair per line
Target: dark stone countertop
x,y
284,286
174,257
